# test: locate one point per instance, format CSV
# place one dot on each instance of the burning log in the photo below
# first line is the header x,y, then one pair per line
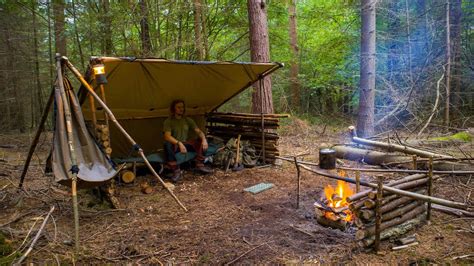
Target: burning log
x,y
326,216
336,224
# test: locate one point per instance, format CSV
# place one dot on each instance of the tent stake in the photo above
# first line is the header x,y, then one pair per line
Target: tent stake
x,y
121,129
40,129
70,139
298,183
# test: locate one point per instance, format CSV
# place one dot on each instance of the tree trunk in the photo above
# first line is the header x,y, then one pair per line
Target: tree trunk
x,y
448,67
365,121
144,32
107,27
204,29
197,30
260,52
294,68
39,95
59,32
456,12
407,15
76,33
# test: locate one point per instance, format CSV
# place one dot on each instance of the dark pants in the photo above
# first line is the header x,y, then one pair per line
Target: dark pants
x,y
194,145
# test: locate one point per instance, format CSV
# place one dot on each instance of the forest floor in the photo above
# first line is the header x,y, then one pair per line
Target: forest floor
x,y
224,224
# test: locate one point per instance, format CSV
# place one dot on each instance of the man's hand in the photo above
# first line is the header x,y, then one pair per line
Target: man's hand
x,y
204,144
182,148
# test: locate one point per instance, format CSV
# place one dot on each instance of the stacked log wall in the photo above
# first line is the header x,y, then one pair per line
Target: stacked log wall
x,y
249,127
399,213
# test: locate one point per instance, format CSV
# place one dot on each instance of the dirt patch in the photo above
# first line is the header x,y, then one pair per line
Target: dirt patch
x,y
224,223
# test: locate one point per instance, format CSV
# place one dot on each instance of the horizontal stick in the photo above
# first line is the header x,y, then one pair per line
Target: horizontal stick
x,y
245,135
460,213
249,115
431,199
407,185
240,121
365,193
404,171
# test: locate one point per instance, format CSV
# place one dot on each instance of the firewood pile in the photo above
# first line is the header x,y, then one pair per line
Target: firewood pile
x,y
103,137
398,214
250,127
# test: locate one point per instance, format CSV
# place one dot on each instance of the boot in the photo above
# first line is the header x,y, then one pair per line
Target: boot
x,y
204,170
176,176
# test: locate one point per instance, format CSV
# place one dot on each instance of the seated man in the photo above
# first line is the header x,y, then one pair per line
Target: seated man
x,y
176,128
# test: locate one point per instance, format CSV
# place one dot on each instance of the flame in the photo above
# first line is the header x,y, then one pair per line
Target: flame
x,y
337,197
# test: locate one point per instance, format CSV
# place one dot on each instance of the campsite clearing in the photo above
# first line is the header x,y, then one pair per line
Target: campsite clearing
x,y
224,224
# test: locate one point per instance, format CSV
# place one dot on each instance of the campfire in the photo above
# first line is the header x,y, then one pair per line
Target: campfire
x,y
333,209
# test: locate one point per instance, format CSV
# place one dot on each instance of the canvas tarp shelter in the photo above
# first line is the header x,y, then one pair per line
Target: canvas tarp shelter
x,y
139,92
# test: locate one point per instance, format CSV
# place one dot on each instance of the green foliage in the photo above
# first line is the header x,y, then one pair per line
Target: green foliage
x,y
460,136
327,39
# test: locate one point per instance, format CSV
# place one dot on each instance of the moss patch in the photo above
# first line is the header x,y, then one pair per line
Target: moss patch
x,y
5,247
5,250
460,136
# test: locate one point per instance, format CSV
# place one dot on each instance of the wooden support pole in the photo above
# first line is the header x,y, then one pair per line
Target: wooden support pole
x,y
298,177
33,145
415,166
121,129
102,96
430,188
72,152
357,181
262,90
378,213
94,115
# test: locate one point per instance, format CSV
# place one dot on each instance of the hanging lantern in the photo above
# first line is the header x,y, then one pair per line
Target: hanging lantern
x,y
99,72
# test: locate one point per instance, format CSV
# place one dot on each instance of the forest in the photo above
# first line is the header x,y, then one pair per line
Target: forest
x,y
318,41
400,71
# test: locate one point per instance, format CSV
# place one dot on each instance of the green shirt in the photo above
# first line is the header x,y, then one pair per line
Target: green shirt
x,y
179,128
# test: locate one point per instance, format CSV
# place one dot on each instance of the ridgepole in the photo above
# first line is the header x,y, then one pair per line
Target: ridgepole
x,y
121,129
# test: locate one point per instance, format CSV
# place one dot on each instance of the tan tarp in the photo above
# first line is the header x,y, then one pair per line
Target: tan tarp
x,y
139,92
94,168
